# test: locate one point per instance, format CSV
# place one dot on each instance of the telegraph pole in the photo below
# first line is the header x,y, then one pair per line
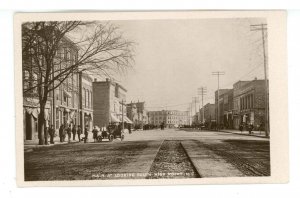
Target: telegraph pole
x,y
202,91
263,27
218,73
122,115
195,99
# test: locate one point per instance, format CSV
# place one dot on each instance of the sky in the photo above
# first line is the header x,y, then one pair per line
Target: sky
x,y
176,57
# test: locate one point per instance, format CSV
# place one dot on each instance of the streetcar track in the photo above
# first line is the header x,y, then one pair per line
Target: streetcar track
x,y
172,161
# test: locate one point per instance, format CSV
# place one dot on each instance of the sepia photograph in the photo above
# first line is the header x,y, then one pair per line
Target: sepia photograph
x,y
178,97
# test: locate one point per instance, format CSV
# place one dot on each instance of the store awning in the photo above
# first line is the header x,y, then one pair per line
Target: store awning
x,y
114,118
68,94
126,119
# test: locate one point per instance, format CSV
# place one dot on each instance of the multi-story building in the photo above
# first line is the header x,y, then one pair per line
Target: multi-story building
x,y
157,117
86,100
171,118
224,107
62,104
109,103
137,113
249,102
209,115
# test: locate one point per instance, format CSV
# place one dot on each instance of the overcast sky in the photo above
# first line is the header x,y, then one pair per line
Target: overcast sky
x,y
175,57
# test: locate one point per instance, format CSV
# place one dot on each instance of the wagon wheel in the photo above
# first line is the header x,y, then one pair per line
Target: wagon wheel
x,y
111,138
100,139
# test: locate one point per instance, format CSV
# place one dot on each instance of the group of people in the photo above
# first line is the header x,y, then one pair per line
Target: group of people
x,y
248,127
65,131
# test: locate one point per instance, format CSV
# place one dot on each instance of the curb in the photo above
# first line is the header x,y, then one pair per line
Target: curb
x,y
195,167
243,134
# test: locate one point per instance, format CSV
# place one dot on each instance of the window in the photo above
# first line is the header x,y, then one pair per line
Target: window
x,y
83,97
26,79
65,53
88,98
34,84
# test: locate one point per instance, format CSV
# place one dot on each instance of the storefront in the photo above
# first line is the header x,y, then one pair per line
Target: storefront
x,y
31,111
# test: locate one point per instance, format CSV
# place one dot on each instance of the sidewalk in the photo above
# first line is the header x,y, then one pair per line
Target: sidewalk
x,y
254,133
30,145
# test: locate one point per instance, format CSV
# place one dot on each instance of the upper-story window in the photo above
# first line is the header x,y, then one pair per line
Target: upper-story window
x,y
83,97
26,79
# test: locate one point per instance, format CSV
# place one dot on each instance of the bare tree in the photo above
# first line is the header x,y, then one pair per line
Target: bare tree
x,y
99,48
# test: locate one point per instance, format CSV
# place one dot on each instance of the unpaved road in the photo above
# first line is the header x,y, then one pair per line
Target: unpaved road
x,y
153,154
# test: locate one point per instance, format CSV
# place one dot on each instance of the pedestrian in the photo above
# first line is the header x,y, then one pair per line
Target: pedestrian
x,y
74,131
86,134
79,131
51,133
69,132
250,128
241,127
95,133
61,133
129,128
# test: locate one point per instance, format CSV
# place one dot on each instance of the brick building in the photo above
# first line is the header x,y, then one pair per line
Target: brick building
x,y
62,106
86,100
209,115
249,102
137,113
223,108
171,118
109,103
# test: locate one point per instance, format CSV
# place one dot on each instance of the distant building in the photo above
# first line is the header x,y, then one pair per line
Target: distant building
x,y
224,107
137,113
171,118
249,102
109,103
209,115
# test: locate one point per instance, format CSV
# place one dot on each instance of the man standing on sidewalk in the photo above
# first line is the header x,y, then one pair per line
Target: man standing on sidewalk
x,y
69,133
61,133
51,133
79,131
74,131
241,127
86,133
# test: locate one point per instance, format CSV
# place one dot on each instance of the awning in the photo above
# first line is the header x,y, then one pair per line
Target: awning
x,y
114,118
68,94
72,113
126,119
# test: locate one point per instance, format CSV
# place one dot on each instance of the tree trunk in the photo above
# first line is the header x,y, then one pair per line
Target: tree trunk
x,y
41,123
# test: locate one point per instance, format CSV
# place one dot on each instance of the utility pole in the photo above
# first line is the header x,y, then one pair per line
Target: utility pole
x,y
202,91
195,100
263,27
218,73
122,103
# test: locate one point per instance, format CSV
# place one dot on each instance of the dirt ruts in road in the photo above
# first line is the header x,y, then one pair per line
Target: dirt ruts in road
x,y
172,161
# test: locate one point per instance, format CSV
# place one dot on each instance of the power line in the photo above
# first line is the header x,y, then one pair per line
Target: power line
x,y
218,73
202,91
263,28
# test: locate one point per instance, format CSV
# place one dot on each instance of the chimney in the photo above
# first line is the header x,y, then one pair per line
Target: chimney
x,y
95,79
255,78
